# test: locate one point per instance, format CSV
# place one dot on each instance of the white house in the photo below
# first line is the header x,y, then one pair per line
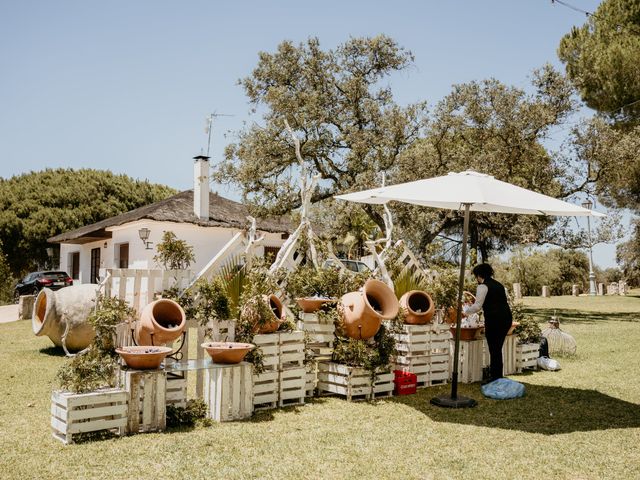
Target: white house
x,y
204,220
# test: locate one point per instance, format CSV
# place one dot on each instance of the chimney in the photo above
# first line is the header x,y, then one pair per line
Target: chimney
x,y
201,187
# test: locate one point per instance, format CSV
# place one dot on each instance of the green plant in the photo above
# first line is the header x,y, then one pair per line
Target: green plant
x,y
330,282
95,367
407,281
233,276
444,288
189,416
528,330
174,254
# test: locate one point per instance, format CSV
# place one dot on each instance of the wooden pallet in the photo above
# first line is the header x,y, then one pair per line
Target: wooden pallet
x,y
311,379
177,390
146,395
73,413
352,383
265,390
527,356
292,384
320,335
508,355
228,392
291,350
470,361
269,344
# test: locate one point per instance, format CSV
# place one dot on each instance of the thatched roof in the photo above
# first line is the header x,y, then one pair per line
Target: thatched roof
x,y
179,209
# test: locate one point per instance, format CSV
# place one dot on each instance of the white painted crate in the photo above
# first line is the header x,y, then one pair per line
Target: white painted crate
x,y
527,356
291,350
470,361
420,365
177,390
146,395
311,379
269,345
228,391
292,386
353,383
438,367
320,333
266,390
73,413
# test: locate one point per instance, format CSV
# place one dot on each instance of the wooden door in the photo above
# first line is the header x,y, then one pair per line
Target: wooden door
x,y
95,265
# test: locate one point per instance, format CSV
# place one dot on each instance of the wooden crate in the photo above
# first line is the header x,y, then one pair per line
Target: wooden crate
x,y
228,391
508,355
311,379
266,390
470,361
291,350
177,390
73,413
438,367
146,395
269,345
527,356
352,383
320,333
292,384
419,365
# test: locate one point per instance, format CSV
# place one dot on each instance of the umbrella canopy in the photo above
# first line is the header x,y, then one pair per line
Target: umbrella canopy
x,y
468,191
483,193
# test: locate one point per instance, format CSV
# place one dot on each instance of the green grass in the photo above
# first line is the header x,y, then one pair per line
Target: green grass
x,y
580,423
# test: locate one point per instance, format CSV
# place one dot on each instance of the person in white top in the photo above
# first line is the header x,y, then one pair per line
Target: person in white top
x,y
491,298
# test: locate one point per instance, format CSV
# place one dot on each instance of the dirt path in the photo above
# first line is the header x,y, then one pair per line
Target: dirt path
x,y
8,313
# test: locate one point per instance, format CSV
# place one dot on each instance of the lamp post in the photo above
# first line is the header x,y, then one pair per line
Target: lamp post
x,y
144,236
588,204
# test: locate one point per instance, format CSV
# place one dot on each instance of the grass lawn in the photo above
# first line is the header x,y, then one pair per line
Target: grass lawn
x,y
580,423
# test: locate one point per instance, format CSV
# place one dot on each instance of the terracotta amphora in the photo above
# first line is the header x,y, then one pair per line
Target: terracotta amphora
x,y
278,315
364,310
161,322
418,307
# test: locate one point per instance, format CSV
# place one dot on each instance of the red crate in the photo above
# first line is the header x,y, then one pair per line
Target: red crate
x,y
406,383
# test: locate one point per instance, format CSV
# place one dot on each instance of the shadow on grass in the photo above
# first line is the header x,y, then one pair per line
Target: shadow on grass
x,y
544,409
267,415
53,351
577,316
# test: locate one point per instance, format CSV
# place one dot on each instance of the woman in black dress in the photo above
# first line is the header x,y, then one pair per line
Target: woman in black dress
x,y
491,298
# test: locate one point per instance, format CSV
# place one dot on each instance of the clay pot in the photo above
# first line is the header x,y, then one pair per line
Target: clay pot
x,y
143,357
364,310
161,322
227,352
418,307
312,304
467,333
54,310
275,305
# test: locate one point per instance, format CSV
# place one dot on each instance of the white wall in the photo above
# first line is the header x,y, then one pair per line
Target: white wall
x,y
206,243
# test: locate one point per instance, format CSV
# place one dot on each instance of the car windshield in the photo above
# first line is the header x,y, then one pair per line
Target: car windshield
x,y
54,275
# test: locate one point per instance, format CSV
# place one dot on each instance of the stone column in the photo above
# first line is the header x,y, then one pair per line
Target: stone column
x,y
545,291
601,289
517,291
575,290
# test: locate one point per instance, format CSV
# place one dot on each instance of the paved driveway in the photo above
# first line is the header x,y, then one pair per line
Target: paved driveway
x,y
8,313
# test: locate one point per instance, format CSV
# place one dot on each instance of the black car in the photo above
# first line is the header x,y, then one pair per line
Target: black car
x,y
36,281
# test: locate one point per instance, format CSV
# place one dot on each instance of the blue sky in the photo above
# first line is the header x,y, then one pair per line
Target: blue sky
x,y
126,85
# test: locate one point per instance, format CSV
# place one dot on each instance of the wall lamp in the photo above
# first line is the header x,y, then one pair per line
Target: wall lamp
x,y
144,236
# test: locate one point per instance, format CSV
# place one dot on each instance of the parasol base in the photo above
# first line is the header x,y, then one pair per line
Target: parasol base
x,y
458,402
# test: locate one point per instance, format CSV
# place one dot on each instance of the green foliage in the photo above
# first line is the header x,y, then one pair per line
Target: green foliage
x,y
628,256
373,355
195,412
233,277
602,59
528,330
444,288
557,268
330,282
174,254
96,366
38,205
336,100
7,280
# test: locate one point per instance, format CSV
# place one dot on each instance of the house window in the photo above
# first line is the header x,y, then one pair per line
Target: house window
x,y
123,255
270,253
74,265
95,265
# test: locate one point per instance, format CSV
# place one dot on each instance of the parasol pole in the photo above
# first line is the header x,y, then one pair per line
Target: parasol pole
x,y
454,401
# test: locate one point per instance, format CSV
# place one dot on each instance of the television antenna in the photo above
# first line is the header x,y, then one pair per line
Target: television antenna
x,y
209,126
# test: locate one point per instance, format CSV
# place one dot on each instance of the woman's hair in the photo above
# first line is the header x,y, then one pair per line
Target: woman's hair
x,y
483,270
